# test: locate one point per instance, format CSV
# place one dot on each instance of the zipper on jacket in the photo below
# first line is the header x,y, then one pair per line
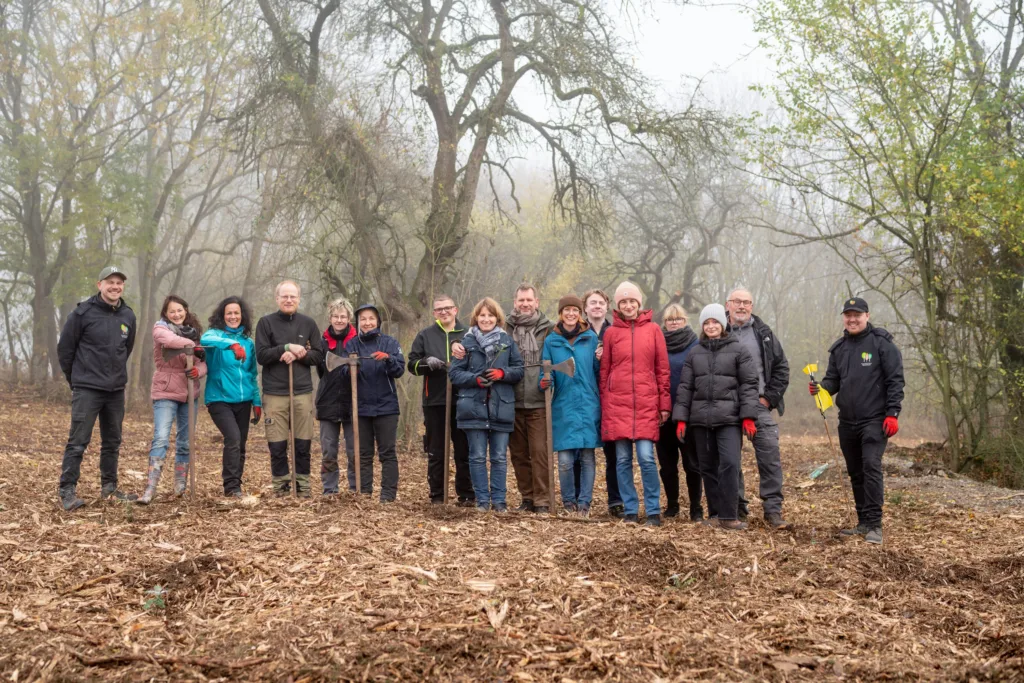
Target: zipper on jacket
x,y
632,369
711,387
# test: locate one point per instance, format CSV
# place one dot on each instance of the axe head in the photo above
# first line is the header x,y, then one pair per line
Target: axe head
x,y
173,353
334,362
566,367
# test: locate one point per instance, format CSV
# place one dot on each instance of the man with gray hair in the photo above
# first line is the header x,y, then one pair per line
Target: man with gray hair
x,y
773,379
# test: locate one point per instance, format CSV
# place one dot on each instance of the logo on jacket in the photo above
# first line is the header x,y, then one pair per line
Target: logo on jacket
x,y
124,331
866,358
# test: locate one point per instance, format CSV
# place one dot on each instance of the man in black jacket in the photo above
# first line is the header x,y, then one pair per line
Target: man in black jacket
x,y
288,338
93,350
865,369
773,379
429,358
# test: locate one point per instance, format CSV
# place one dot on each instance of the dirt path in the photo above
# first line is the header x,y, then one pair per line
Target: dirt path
x,y
354,590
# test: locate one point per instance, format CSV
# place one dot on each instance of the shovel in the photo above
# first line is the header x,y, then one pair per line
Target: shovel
x,y
823,401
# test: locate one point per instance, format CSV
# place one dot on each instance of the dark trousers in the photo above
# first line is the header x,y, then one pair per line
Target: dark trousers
x,y
232,419
279,466
330,441
718,452
433,421
611,474
769,465
863,444
86,406
382,431
669,449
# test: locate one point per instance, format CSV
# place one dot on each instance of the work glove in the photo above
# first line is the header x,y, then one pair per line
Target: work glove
x,y
483,382
545,383
199,352
680,430
813,388
434,363
238,351
194,374
494,375
890,426
379,355
258,413
749,428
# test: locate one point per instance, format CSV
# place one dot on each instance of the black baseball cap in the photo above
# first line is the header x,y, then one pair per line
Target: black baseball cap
x,y
855,304
111,270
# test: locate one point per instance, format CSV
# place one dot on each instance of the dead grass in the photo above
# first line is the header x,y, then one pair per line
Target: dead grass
x,y
352,590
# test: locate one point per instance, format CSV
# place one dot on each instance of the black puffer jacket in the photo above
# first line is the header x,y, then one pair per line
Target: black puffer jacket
x,y
718,385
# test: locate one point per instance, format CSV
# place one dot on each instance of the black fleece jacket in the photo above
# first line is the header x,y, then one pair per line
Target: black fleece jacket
x,y
95,344
866,371
275,330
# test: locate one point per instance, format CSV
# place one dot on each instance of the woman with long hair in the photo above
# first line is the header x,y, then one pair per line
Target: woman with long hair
x,y
232,392
177,328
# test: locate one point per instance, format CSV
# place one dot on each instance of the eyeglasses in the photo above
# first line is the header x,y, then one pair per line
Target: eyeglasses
x,y
741,302
444,309
675,320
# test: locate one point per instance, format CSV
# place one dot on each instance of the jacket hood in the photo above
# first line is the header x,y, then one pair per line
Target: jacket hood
x,y
645,316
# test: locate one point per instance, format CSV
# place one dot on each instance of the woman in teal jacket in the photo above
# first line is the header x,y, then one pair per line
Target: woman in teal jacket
x,y
231,387
576,404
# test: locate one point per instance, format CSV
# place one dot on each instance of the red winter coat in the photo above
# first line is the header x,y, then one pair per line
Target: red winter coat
x,y
634,379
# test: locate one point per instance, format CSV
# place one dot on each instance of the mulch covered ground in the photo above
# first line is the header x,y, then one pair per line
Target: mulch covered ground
x,y
352,590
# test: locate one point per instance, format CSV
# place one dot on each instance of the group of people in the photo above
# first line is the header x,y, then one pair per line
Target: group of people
x,y
656,395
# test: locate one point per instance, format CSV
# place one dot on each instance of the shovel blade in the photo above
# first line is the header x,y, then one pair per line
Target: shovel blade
x,y
810,367
566,367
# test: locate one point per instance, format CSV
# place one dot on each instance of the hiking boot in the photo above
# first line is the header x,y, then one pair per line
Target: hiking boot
x,y
465,503
711,522
697,516
437,501
775,521
570,507
111,491
874,536
282,486
483,507
583,511
525,506
672,511
742,514
499,507
155,466
616,511
541,509
302,485
629,519
180,478
732,524
653,520
859,530
237,493
69,500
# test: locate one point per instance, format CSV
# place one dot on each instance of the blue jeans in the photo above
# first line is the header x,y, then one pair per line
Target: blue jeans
x,y
165,412
492,492
567,460
648,476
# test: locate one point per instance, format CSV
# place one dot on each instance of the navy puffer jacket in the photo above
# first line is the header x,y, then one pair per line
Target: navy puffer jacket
x,y
493,407
378,395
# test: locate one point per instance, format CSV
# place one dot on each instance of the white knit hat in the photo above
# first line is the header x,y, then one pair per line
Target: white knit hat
x,y
714,312
627,290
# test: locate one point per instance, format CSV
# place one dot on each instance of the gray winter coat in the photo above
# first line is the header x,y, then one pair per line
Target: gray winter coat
x,y
718,385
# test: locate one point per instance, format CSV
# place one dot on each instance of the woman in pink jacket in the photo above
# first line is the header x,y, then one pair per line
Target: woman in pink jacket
x,y
177,328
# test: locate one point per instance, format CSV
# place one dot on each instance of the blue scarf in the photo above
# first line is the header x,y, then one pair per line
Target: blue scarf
x,y
488,341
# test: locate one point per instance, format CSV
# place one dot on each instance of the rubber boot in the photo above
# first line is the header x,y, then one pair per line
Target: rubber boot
x,y
302,485
180,478
282,485
156,465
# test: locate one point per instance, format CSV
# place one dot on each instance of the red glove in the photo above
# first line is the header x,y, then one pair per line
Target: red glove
x,y
545,383
749,428
258,412
813,387
890,426
238,351
494,375
194,374
379,355
680,430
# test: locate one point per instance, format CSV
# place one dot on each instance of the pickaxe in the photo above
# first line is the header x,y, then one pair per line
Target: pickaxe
x,y
333,363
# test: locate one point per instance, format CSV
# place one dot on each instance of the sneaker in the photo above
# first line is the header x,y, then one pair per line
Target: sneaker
x,y
653,520
483,507
111,491
629,519
499,507
583,511
672,511
466,503
616,511
525,506
237,493
69,500
776,521
540,509
732,524
874,536
570,507
859,530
